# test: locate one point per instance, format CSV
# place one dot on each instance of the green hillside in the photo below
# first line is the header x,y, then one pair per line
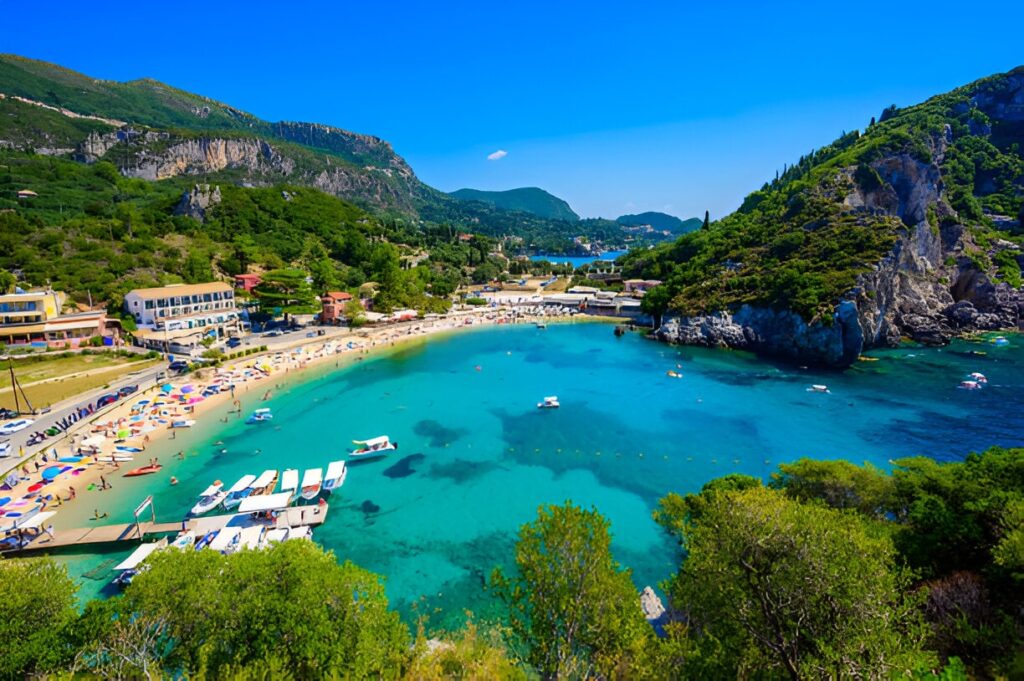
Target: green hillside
x,y
661,221
526,199
801,241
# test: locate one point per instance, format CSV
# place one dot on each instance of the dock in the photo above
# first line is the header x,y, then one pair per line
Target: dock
x,y
293,516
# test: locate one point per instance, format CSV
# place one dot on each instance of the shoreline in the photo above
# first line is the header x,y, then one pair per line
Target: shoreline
x,y
270,372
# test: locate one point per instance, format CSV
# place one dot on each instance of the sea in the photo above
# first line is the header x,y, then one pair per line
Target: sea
x,y
477,457
578,260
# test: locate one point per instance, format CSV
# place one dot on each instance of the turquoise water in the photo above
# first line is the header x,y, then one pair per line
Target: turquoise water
x,y
578,260
477,457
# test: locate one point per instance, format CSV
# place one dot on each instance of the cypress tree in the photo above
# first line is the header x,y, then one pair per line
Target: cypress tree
x,y
707,220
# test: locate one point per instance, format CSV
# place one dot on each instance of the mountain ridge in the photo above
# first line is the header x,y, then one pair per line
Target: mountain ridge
x,y
533,200
660,221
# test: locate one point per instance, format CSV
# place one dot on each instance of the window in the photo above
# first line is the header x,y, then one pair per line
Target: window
x,y
149,304
207,297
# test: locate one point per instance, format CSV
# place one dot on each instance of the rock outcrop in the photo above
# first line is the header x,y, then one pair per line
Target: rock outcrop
x,y
197,201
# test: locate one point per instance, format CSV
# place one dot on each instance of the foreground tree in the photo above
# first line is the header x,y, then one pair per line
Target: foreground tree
x,y
286,290
802,590
37,609
201,612
573,608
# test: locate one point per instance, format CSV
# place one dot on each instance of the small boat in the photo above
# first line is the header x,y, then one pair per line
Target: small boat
x,y
550,402
127,449
979,377
373,447
226,540
210,498
185,540
969,385
673,374
132,565
143,470
240,490
205,540
335,478
818,388
312,480
1000,340
183,423
290,481
260,416
542,325
250,537
865,358
266,483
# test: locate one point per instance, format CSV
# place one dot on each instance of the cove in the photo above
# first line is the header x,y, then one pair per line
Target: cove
x,y
477,457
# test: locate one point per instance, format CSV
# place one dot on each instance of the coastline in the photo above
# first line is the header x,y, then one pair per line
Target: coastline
x,y
173,447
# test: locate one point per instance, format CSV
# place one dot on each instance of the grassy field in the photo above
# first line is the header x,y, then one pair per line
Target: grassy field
x,y
50,381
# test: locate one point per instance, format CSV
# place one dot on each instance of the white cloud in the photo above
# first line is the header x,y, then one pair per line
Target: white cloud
x,y
498,155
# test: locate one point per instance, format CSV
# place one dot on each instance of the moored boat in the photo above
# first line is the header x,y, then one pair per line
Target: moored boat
x,y
240,490
374,446
312,481
335,477
979,377
209,499
290,481
185,540
130,566
182,423
818,388
969,385
550,402
266,483
143,470
260,416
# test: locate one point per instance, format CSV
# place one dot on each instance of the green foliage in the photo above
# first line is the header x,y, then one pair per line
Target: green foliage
x,y
293,603
476,301
660,221
839,484
794,589
1008,268
471,653
286,290
526,199
572,606
37,609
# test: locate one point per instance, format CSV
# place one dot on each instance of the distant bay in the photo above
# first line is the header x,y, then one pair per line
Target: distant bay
x,y
578,260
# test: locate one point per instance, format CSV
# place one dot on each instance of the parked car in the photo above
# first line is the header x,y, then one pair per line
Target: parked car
x,y
272,334
234,342
6,413
180,366
12,427
5,448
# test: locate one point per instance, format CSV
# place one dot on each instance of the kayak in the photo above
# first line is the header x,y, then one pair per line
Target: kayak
x,y
144,470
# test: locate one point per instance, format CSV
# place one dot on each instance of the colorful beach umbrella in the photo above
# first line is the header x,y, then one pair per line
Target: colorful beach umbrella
x,y
187,388
51,472
167,387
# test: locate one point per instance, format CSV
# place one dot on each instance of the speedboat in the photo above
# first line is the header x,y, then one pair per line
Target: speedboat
x,y
185,540
818,388
335,478
312,481
373,447
673,374
260,416
1000,340
143,470
550,402
542,325
240,490
211,497
265,483
979,377
969,385
132,565
226,540
290,481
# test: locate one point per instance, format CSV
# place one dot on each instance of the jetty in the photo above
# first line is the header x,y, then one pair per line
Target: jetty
x,y
293,516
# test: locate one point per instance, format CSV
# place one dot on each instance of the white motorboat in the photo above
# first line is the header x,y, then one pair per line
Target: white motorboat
x,y
312,481
335,477
250,537
240,490
290,481
260,416
130,566
373,447
969,385
266,483
978,377
550,402
185,540
818,388
210,498
226,540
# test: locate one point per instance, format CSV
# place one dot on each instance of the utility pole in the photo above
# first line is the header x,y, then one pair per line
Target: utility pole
x,y
14,384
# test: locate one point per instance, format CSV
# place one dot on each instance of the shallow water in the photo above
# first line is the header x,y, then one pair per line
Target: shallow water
x,y
578,260
477,457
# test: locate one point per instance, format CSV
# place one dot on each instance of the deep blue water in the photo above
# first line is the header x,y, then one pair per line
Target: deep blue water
x,y
578,260
477,457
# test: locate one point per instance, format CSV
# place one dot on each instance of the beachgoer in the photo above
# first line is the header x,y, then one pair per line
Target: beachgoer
x,y
174,480
49,530
103,483
72,494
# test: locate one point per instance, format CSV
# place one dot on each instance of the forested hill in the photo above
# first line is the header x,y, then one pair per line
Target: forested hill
x,y
914,223
531,200
661,221
153,131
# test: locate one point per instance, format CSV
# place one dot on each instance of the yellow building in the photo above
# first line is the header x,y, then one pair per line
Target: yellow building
x,y
35,317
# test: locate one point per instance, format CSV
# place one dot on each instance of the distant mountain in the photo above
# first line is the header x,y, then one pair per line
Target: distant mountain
x,y
661,221
526,199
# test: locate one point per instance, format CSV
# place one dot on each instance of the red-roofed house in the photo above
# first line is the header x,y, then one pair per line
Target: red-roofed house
x,y
247,282
333,306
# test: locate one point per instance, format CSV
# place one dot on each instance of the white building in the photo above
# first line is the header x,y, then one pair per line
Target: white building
x,y
183,314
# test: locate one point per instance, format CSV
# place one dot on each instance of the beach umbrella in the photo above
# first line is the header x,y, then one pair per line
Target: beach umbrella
x,y
123,433
51,472
167,387
187,388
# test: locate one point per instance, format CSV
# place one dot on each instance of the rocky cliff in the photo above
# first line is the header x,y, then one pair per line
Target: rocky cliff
x,y
940,173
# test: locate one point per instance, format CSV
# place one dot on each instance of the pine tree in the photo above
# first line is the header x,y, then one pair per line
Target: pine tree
x,y
707,220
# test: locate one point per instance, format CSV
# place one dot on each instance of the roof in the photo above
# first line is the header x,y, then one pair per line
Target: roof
x,y
180,290
35,521
266,477
265,502
138,555
338,295
26,192
242,483
247,276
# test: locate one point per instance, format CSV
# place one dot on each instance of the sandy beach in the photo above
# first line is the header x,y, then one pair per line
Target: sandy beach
x,y
139,432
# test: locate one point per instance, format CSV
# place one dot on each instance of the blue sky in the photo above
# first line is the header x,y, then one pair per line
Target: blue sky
x,y
616,107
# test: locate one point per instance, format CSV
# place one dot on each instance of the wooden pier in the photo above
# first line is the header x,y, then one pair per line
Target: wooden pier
x,y
294,516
